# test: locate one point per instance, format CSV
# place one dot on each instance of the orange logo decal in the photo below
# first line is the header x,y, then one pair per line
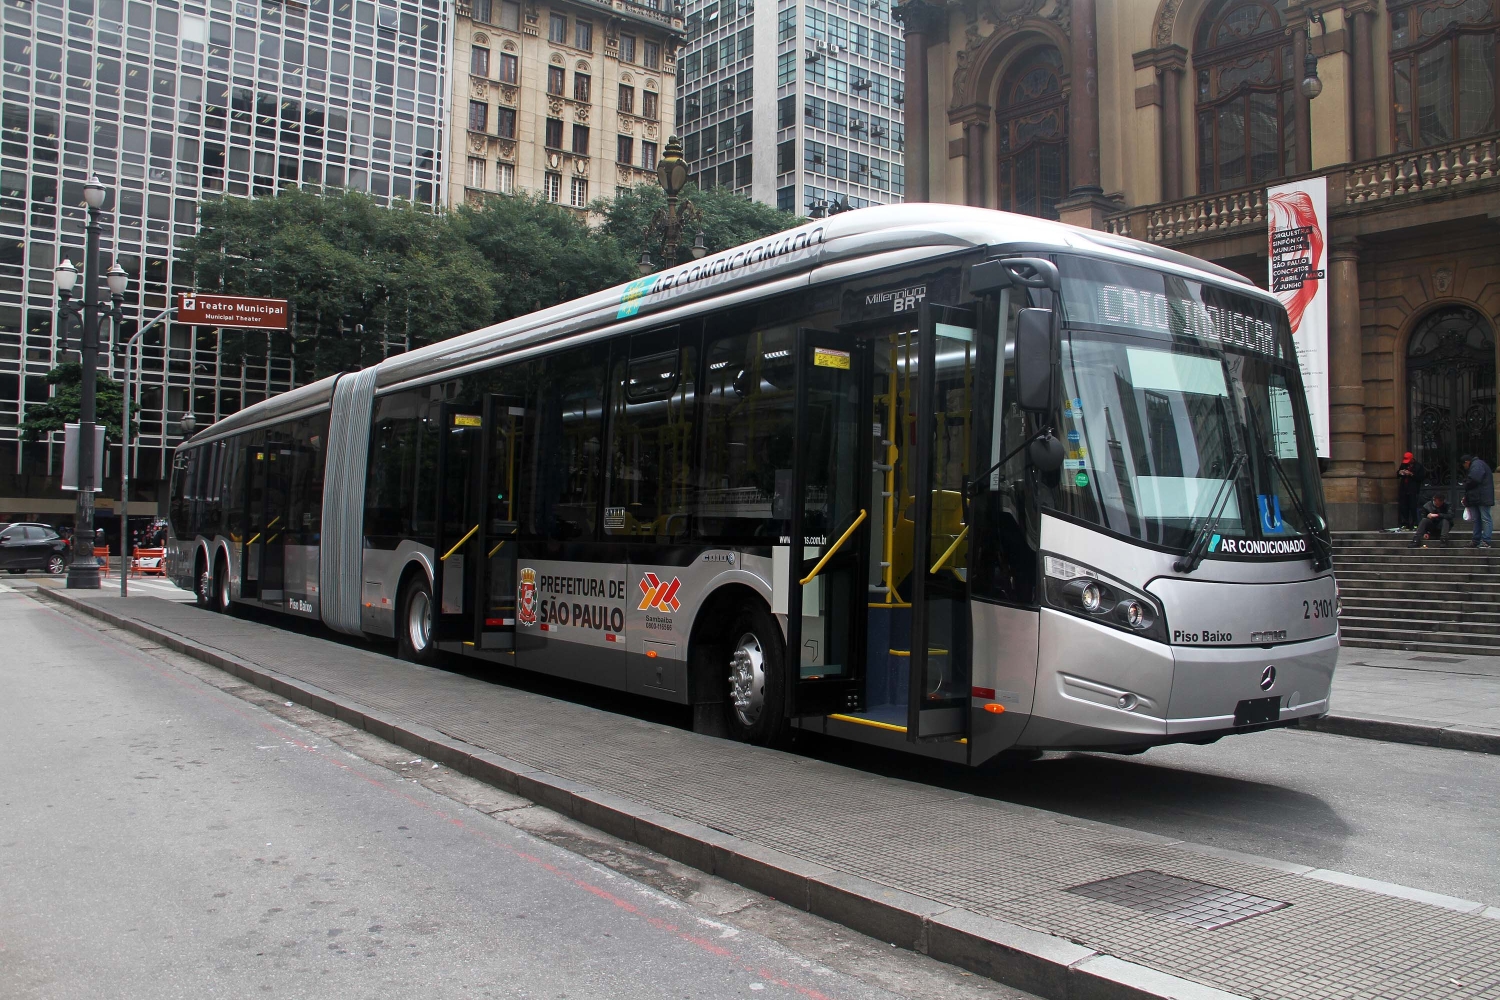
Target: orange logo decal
x,y
658,594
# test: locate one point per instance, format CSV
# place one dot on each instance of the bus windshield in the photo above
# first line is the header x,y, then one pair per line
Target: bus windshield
x,y
1172,386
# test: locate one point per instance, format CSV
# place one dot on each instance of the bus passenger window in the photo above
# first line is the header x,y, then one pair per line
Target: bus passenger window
x,y
651,440
749,417
391,483
562,497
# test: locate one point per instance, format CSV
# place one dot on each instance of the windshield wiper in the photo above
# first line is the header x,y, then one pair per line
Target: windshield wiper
x,y
1323,556
1322,551
1195,553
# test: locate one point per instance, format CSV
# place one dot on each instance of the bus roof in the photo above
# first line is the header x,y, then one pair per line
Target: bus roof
x,y
867,232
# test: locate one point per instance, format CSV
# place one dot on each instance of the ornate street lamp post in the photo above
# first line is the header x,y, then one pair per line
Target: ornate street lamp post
x,y
83,569
669,223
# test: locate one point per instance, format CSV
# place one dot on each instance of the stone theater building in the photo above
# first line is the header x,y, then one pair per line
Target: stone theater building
x,y
1165,121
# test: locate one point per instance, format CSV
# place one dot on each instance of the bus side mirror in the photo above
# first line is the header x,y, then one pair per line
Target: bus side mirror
x,y
1035,354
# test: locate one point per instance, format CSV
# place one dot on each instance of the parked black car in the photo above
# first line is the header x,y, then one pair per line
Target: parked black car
x,y
26,546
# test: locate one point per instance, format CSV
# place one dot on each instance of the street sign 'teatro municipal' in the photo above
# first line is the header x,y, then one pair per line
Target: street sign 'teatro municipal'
x,y
231,310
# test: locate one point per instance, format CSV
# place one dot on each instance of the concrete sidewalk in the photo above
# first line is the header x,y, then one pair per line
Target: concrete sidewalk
x,y
1427,698
1005,890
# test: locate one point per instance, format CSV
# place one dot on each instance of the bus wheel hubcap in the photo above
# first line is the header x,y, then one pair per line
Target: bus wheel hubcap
x,y
747,679
419,621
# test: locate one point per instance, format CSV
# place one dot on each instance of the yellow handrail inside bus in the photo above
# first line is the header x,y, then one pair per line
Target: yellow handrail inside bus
x,y
495,549
252,540
951,549
459,544
836,546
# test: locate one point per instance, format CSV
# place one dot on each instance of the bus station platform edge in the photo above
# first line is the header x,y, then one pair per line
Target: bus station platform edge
x,y
981,884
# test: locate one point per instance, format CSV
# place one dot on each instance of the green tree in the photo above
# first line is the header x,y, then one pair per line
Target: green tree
x,y
62,408
540,253
354,272
729,219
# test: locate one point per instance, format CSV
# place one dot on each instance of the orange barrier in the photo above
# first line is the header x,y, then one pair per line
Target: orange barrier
x,y
148,562
101,553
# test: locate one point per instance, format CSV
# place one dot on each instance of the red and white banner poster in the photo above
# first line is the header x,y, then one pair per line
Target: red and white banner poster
x,y
1298,216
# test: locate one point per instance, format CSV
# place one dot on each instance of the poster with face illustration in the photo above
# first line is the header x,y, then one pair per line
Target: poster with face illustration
x,y
1298,216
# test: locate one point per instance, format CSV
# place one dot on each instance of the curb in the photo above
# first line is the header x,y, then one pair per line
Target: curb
x,y
1013,955
1388,729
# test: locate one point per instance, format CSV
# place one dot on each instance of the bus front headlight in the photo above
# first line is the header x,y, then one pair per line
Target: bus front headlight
x,y
1084,591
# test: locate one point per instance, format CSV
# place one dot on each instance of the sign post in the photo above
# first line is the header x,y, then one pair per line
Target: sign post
x,y
1298,216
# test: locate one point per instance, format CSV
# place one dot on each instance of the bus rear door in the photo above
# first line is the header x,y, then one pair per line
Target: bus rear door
x,y
939,696
826,509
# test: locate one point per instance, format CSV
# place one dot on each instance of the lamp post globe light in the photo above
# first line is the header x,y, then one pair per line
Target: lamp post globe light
x,y
669,223
83,568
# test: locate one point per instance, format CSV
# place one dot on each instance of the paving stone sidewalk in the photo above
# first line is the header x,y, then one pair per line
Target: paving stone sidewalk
x,y
997,859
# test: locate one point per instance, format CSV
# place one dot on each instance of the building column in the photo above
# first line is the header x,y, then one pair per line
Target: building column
x,y
1171,131
1363,59
1302,132
974,134
1083,103
1344,482
925,23
1085,204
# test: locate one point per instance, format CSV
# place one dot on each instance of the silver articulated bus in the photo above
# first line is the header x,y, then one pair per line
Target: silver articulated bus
x,y
923,476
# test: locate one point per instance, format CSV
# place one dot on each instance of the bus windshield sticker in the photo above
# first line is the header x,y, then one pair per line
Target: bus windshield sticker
x,y
827,357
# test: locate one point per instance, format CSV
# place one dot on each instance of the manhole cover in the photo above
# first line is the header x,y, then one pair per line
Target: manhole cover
x,y
1181,899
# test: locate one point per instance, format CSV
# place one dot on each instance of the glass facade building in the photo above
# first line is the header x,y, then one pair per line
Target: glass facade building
x,y
170,103
796,105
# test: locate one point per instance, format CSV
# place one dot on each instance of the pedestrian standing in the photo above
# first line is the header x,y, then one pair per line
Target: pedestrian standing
x,y
1432,520
1409,478
1479,497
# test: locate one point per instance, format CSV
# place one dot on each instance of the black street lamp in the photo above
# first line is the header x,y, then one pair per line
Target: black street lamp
x,y
668,223
83,569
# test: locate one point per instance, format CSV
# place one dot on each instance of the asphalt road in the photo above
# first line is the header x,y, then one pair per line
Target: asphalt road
x,y
167,831
1416,816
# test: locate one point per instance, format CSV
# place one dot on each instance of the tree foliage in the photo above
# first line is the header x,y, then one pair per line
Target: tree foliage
x,y
363,279
67,395
353,271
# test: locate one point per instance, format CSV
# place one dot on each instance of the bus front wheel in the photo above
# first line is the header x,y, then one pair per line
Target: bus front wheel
x,y
414,623
755,699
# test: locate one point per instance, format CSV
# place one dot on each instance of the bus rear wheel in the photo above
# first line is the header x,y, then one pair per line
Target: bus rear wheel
x,y
414,623
755,698
222,602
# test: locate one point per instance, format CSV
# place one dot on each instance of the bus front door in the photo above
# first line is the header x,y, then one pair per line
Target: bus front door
x,y
939,696
456,551
499,471
825,506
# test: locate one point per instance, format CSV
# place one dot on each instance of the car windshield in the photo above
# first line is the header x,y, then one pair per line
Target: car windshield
x,y
1167,383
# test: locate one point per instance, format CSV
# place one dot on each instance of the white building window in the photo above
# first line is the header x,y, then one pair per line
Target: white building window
x,y
505,178
552,187
476,172
580,193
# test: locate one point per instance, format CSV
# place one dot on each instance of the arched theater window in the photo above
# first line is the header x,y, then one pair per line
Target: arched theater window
x,y
1442,71
1244,94
1031,114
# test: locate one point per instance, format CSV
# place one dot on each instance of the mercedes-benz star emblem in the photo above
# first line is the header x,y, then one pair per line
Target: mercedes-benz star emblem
x,y
1268,678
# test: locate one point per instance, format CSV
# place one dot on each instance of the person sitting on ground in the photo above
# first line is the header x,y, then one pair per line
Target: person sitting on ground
x,y
1435,514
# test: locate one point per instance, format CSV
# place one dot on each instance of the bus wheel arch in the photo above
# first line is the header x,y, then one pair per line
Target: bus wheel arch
x,y
414,602
737,651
